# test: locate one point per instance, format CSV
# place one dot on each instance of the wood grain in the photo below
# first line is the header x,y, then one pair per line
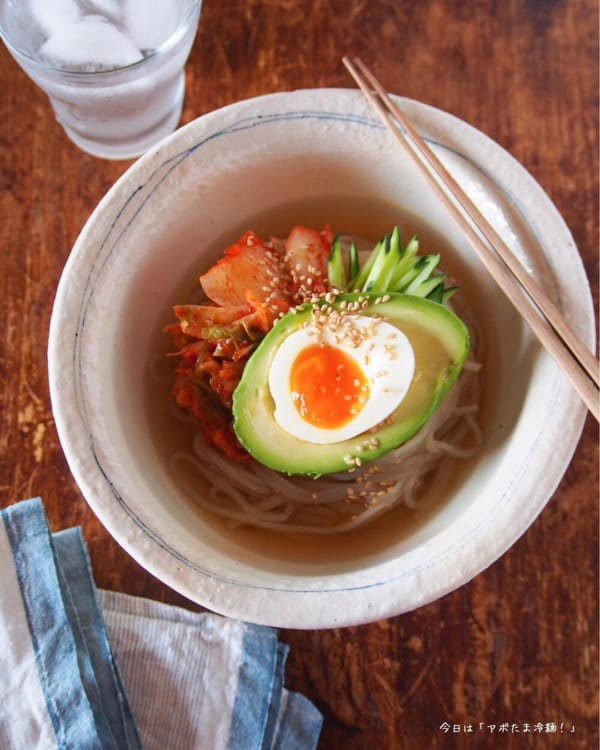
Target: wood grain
x,y
519,643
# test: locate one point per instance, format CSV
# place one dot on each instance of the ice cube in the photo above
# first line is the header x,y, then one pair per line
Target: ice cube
x,y
54,15
150,23
88,45
109,9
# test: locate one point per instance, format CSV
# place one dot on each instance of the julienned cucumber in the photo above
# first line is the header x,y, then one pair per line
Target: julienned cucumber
x,y
389,267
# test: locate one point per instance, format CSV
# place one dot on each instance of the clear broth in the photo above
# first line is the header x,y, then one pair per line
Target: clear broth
x,y
359,217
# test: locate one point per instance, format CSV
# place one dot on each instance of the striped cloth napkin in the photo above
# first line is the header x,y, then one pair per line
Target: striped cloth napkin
x,y
84,668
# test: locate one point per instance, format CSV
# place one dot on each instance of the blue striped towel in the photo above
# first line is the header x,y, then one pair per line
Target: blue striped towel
x,y
84,668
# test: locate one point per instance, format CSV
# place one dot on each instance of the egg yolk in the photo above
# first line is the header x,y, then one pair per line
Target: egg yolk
x,y
328,387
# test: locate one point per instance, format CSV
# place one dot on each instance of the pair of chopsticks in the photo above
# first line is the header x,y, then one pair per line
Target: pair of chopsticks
x,y
529,299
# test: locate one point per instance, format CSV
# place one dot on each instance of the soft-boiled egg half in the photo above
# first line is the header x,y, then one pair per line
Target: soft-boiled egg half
x,y
332,383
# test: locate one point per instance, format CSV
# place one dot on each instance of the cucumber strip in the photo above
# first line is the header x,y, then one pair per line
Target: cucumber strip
x,y
449,292
365,270
386,262
402,284
412,248
436,294
377,267
426,264
336,274
353,263
406,262
427,287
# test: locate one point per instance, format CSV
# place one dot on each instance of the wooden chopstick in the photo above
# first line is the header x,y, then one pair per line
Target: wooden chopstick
x,y
545,304
544,318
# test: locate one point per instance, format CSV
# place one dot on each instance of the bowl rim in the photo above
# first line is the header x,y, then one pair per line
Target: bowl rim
x,y
326,604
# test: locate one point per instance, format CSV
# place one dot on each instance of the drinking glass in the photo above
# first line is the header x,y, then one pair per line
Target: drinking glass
x,y
112,69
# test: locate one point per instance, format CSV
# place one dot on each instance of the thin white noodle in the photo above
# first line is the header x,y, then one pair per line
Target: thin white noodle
x,y
224,492
252,494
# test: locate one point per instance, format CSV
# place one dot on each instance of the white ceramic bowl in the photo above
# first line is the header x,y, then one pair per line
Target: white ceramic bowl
x,y
269,163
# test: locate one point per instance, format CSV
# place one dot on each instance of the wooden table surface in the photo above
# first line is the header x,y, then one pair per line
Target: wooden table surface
x,y
518,645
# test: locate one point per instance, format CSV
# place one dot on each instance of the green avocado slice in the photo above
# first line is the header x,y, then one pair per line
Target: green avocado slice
x,y
440,341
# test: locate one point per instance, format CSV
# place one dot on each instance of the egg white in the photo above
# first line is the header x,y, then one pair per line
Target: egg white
x,y
385,357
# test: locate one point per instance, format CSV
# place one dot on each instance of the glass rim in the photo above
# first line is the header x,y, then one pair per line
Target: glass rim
x,y
46,67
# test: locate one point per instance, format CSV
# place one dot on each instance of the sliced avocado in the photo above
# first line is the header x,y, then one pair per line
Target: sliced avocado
x,y
440,342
